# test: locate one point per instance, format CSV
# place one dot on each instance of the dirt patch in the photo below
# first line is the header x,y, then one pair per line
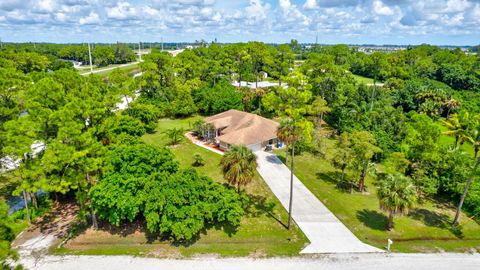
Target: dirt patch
x,y
55,224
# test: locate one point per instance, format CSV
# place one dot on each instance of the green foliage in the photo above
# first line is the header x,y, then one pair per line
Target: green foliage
x,y
117,125
239,165
198,160
116,197
363,150
103,55
175,135
140,160
146,113
6,237
218,98
397,195
144,180
184,203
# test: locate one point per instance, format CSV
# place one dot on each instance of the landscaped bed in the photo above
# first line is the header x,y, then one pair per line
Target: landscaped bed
x,y
261,233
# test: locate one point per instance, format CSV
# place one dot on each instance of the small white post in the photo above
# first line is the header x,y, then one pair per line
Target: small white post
x,y
389,243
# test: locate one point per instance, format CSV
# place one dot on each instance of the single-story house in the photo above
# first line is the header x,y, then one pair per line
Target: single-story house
x,y
235,127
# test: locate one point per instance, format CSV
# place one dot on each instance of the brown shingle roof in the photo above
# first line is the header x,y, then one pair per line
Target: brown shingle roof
x,y
243,128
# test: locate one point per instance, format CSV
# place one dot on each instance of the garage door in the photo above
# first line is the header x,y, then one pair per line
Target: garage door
x,y
255,147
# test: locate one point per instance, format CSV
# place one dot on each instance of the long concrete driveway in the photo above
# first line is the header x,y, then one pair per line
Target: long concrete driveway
x,y
325,232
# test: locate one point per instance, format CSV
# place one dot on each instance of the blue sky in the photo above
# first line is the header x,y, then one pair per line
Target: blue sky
x,y
441,22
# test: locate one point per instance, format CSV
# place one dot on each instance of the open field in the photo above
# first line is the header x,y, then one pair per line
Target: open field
x,y
361,79
104,71
425,229
261,232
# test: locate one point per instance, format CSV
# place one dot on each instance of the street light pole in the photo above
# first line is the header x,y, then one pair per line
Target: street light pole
x,y
90,58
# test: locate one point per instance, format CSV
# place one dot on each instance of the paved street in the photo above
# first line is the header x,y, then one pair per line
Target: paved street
x,y
371,261
325,232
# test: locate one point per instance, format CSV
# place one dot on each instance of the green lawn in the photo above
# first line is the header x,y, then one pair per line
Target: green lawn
x,y
425,229
129,69
361,79
260,232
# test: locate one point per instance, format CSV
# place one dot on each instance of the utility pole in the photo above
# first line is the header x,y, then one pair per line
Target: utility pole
x,y
139,51
1,43
90,58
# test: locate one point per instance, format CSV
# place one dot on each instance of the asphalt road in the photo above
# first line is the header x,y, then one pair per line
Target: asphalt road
x,y
372,261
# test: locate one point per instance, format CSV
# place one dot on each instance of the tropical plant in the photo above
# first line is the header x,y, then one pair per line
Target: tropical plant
x,y
175,135
198,160
451,104
396,194
238,165
459,126
290,131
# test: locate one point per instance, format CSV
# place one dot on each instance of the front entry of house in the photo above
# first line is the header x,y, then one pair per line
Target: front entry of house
x,y
255,147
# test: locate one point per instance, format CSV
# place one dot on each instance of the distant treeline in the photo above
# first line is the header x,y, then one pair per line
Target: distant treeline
x,y
102,54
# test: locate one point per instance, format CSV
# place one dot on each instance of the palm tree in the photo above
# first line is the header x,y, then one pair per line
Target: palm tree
x,y
475,136
451,104
239,165
475,139
397,195
458,125
284,134
289,132
464,194
175,135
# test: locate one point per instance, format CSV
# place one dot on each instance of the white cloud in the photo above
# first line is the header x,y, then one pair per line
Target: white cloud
x,y
242,20
381,9
46,5
121,11
310,4
92,18
256,10
456,6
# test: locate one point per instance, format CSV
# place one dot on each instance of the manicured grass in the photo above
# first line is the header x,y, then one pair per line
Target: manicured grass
x,y
361,79
425,229
260,234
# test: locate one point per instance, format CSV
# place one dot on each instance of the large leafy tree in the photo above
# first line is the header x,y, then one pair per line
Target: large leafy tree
x,y
184,203
117,196
396,195
238,165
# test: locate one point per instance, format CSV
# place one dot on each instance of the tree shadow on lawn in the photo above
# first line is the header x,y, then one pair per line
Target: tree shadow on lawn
x,y
373,219
334,178
258,205
434,219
